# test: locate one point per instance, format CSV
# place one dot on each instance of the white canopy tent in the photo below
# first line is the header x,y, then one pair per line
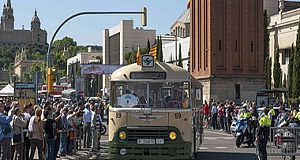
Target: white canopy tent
x,y
8,90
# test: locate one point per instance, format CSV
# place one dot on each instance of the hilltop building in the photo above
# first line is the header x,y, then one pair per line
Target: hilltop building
x,y
9,36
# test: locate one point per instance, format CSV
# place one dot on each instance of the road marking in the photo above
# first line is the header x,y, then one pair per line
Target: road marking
x,y
217,138
220,133
221,147
203,148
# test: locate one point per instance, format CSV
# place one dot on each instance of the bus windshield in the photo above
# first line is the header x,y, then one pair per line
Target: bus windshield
x,y
160,94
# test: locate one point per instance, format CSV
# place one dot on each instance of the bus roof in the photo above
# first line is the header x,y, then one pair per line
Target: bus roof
x,y
173,72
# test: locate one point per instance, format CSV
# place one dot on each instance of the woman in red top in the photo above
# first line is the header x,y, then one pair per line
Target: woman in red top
x,y
221,115
206,114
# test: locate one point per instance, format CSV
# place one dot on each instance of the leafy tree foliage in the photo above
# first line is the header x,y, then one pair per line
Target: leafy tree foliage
x,y
284,81
290,72
266,34
276,70
296,66
180,57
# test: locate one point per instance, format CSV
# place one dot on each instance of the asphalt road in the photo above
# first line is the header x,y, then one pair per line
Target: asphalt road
x,y
221,145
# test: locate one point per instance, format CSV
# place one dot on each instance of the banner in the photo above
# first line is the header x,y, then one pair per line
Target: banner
x,y
99,68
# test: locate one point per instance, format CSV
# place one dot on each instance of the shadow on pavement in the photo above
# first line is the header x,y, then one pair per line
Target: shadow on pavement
x,y
225,156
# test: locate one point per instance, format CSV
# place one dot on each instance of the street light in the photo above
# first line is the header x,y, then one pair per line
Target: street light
x,y
144,23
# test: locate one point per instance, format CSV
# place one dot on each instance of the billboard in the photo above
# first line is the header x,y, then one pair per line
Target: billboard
x,y
99,68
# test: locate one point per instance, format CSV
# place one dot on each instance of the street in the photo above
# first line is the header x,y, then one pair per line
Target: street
x,y
217,145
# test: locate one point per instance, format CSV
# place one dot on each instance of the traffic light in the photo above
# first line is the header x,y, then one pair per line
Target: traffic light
x,y
144,16
50,79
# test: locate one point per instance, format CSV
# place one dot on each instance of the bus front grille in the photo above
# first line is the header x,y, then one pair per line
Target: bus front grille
x,y
134,134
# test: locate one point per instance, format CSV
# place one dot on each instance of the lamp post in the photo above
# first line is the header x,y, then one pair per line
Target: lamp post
x,y
144,23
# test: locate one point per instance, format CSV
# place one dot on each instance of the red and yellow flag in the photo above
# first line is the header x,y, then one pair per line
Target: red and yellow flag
x,y
153,51
188,4
138,56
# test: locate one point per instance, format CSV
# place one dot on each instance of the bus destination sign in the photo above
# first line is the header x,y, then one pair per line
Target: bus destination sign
x,y
148,75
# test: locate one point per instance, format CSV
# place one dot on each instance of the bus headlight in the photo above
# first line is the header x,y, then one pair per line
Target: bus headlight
x,y
122,135
172,135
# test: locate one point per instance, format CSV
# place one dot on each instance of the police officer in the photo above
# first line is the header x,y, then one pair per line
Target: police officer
x,y
262,135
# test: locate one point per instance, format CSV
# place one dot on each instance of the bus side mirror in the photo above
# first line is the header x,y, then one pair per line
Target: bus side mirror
x,y
198,94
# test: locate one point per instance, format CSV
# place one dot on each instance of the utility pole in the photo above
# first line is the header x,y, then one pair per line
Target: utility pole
x,y
144,23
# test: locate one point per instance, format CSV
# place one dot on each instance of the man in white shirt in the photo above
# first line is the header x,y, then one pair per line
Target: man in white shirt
x,y
87,118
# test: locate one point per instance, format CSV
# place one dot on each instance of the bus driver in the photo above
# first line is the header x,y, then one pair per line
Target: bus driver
x,y
176,101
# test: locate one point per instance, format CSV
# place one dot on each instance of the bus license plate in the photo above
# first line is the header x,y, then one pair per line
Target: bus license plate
x,y
150,141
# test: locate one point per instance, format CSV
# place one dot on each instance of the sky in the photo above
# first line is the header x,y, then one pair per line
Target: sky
x,y
87,29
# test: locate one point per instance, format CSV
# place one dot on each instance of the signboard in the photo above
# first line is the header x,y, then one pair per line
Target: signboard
x,y
99,68
24,86
148,75
147,61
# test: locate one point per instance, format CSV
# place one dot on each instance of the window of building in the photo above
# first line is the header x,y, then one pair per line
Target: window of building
x,y
237,91
251,46
220,45
286,56
236,46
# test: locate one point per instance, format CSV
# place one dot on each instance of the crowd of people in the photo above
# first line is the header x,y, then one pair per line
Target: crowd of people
x,y
52,128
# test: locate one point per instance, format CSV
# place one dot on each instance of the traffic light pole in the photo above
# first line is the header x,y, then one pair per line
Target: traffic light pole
x,y
144,23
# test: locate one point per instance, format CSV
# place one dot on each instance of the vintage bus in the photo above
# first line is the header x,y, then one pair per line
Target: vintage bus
x,y
156,112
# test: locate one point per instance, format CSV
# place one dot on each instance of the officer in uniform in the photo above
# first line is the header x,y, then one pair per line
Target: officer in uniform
x,y
262,135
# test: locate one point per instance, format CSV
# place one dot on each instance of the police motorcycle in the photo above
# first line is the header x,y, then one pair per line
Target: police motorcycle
x,y
242,134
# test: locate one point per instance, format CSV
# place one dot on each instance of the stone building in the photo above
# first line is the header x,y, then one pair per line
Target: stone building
x,y
227,48
23,65
181,27
9,36
282,29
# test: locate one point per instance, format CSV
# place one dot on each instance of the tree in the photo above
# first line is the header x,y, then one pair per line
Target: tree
x,y
266,34
180,57
276,70
284,81
269,72
161,54
266,72
290,72
26,77
296,67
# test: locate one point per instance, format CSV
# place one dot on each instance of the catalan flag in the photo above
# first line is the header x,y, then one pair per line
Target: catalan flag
x,y
138,56
188,4
153,51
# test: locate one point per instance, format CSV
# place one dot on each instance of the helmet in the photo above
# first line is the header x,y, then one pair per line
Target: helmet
x,y
245,105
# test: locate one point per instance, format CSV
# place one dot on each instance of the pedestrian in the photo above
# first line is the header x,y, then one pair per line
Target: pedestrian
x,y
262,135
57,128
230,112
49,134
221,116
64,132
18,140
214,112
206,114
96,128
6,134
26,117
87,118
36,127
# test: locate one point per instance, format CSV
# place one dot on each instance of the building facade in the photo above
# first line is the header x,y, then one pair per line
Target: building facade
x,y
23,65
227,48
121,39
9,36
282,29
181,27
75,80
